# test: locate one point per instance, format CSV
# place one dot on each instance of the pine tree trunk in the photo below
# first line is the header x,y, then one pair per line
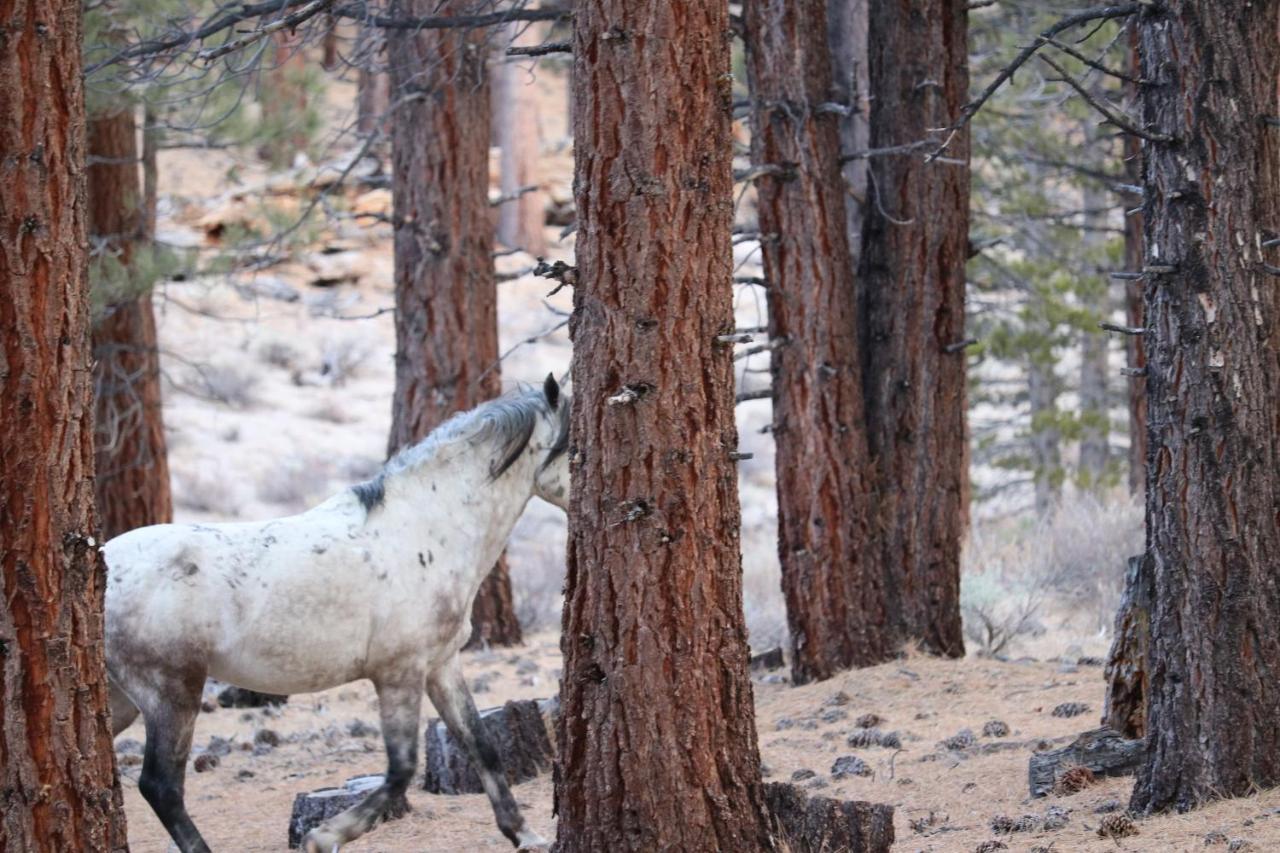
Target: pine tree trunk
x,y
521,222
284,99
1046,436
150,171
446,297
1095,412
373,83
911,311
1214,400
57,766
657,732
847,41
132,467
834,593
1136,317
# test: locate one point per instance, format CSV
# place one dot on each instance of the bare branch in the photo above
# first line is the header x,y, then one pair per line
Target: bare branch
x,y
1112,116
1100,14
1095,65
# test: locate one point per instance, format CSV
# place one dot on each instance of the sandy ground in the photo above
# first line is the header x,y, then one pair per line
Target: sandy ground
x,y
950,796
271,405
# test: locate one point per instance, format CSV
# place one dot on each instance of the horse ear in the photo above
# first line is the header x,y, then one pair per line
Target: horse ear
x,y
552,390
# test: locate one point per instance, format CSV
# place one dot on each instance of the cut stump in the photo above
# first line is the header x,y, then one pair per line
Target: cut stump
x,y
1103,751
523,733
311,810
817,824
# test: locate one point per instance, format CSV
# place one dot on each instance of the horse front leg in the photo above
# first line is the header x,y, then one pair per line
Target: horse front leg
x,y
399,706
448,691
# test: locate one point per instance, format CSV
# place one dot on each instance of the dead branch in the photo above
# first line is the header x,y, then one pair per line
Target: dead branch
x,y
1112,115
1104,13
1123,330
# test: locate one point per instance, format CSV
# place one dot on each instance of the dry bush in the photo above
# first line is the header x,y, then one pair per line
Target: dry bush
x,y
279,354
330,411
295,483
1074,560
224,383
343,359
206,490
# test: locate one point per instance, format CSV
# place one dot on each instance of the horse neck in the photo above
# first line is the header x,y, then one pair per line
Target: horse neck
x,y
462,505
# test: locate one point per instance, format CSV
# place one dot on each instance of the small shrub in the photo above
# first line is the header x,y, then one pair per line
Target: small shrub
x,y
206,491
1067,710
279,354
849,765
224,383
961,740
343,359
294,483
995,728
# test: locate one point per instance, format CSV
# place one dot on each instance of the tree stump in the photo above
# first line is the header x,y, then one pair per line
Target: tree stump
x,y
816,824
311,810
1104,751
522,732
1125,710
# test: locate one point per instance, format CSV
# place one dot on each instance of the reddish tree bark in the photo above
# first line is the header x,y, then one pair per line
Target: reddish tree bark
x,y
657,732
521,222
1213,383
834,592
132,480
1135,346
57,767
911,288
446,296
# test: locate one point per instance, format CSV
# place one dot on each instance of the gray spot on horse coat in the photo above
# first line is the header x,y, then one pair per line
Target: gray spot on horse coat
x,y
318,549
431,558
422,561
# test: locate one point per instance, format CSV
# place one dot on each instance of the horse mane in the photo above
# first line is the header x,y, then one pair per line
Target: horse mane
x,y
506,422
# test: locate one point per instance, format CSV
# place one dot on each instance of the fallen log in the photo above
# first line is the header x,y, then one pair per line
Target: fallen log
x,y
523,733
1103,751
818,824
311,810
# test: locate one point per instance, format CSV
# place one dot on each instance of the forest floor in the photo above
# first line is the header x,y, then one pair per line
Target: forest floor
x,y
944,799
278,388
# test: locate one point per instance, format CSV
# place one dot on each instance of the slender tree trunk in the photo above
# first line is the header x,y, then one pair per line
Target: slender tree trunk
x,y
1212,312
57,767
446,297
521,222
284,100
1046,435
1095,414
373,83
835,596
911,312
657,731
1135,344
150,171
132,480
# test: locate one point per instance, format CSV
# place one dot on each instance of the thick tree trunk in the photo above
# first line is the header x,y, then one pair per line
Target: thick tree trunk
x,y
1046,435
834,593
57,767
657,731
1134,344
1212,311
132,479
1095,415
911,286
446,297
521,221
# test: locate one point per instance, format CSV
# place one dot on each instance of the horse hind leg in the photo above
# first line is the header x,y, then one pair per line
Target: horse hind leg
x,y
169,711
400,707
449,693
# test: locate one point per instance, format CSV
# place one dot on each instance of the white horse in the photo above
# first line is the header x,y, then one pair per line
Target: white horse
x,y
377,582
